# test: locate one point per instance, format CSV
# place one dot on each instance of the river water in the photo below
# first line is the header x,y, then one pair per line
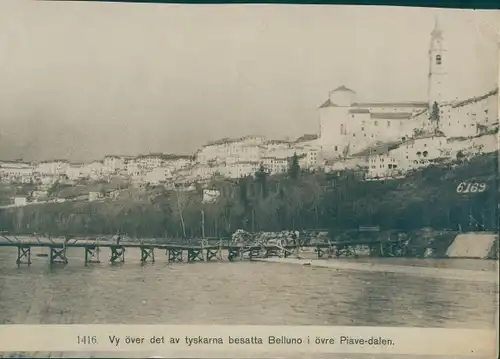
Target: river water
x,y
251,293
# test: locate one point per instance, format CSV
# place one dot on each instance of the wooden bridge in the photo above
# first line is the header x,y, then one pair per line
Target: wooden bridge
x,y
205,251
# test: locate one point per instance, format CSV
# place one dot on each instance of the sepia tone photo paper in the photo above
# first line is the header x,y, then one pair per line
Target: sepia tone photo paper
x,y
248,181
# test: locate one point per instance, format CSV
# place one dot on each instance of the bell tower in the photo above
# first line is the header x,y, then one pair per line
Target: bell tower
x,y
437,67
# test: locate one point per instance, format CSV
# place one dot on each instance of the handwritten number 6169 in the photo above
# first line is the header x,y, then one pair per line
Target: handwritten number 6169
x,y
471,187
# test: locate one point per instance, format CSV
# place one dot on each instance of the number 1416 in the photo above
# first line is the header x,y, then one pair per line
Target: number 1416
x,y
86,339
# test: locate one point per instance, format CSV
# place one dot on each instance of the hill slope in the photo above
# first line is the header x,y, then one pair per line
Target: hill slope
x,y
427,198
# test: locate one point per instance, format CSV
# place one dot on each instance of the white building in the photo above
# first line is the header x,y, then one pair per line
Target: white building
x,y
275,165
241,169
20,201
53,168
244,148
157,175
16,172
469,117
309,155
75,171
419,152
395,159
150,161
114,163
177,162
95,170
94,196
133,169
383,165
198,173
347,126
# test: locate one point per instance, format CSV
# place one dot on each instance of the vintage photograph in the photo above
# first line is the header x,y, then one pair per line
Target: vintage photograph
x,y
248,164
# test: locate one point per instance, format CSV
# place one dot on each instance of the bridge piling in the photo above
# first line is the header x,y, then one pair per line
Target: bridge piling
x,y
23,252
272,252
117,254
233,253
90,253
195,254
320,252
213,253
58,255
147,252
174,255
393,247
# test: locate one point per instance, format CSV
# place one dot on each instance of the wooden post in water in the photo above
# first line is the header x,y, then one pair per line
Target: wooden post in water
x,y
91,252
202,223
117,253
23,252
58,255
147,252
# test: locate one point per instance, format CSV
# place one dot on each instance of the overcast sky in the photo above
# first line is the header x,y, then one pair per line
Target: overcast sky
x,y
80,80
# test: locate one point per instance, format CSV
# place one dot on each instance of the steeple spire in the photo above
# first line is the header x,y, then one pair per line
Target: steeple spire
x,y
437,66
436,33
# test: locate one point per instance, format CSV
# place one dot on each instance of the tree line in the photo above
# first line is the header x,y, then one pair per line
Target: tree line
x,y
290,201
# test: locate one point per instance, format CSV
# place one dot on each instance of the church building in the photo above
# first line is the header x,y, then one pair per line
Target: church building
x,y
348,126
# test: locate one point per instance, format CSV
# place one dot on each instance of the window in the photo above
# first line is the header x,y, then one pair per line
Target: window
x,y
438,60
336,148
388,123
376,123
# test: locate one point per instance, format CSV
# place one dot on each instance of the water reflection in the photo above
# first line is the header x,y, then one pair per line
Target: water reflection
x,y
234,293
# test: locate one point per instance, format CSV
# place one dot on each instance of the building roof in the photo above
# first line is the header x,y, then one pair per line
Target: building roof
x,y
474,99
307,137
411,104
328,103
227,140
359,110
55,161
437,33
422,137
391,115
343,88
277,142
429,135
244,163
378,149
275,158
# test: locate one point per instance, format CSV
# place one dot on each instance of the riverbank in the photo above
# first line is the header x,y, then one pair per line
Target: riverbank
x,y
489,276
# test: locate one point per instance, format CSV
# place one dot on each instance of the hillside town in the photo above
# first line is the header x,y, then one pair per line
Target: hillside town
x,y
380,140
